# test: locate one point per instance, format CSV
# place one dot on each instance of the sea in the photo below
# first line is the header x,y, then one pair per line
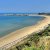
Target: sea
x,y
10,24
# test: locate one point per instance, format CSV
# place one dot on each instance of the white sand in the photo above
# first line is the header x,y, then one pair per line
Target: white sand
x,y
16,36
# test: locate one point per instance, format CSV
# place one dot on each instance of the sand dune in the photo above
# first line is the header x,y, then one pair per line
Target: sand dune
x,y
18,35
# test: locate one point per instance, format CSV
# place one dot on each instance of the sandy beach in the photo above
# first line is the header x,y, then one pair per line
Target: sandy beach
x,y
18,35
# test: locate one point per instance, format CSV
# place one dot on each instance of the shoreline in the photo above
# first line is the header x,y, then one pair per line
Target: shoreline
x,y
25,27
14,36
1,36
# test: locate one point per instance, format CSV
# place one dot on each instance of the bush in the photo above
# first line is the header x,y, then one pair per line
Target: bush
x,y
35,38
29,48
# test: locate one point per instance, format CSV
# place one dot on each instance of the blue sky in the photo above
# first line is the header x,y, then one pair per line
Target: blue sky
x,y
24,6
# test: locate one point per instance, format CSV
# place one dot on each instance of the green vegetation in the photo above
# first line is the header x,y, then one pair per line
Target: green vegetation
x,y
34,42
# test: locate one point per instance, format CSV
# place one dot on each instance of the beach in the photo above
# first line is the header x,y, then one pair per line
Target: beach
x,y
19,35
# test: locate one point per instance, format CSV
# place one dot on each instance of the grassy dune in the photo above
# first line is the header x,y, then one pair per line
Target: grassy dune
x,y
38,41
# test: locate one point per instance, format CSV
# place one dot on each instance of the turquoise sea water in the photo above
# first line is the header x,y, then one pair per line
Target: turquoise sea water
x,y
12,23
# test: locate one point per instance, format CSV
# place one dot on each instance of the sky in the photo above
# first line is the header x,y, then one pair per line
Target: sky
x,y
24,6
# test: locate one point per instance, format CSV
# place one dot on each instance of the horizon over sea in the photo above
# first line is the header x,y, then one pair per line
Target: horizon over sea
x,y
9,24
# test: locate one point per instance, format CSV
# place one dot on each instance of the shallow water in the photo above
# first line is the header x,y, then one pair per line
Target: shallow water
x,y
11,23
